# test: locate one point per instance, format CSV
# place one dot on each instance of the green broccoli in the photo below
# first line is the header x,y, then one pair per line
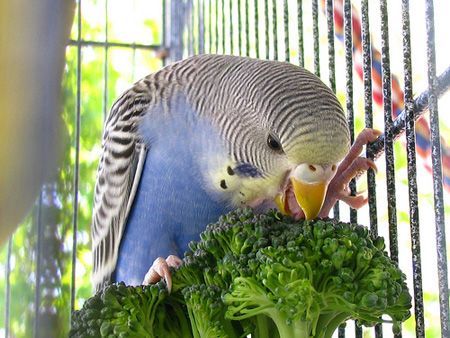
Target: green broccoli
x,y
260,274
131,311
307,277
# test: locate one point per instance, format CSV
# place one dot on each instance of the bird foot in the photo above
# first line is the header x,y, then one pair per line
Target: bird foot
x,y
160,269
352,166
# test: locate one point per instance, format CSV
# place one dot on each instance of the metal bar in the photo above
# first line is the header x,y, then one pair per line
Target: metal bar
x,y
421,105
201,26
105,69
133,64
348,45
239,27
247,29
8,288
178,22
256,28
315,17
190,28
412,174
210,26
331,66
266,28
90,43
231,28
216,18
367,79
348,39
274,29
164,30
77,166
223,27
388,144
301,61
331,53
287,51
39,235
437,173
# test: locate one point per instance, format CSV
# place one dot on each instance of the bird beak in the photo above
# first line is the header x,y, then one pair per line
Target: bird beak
x,y
309,196
305,190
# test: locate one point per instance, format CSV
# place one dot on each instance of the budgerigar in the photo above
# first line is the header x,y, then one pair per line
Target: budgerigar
x,y
203,136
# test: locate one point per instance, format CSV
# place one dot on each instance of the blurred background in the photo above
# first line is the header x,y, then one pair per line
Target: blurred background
x,y
45,266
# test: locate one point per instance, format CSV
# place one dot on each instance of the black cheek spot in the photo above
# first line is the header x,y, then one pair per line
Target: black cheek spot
x,y
223,184
230,171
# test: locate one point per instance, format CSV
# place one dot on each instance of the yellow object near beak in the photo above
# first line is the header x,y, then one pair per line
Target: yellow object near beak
x,y
280,201
309,196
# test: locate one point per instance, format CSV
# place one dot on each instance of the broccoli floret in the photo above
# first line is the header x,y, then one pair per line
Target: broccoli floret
x,y
261,274
314,275
207,313
130,311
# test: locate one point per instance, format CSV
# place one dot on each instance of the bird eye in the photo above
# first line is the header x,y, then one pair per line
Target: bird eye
x,y
273,143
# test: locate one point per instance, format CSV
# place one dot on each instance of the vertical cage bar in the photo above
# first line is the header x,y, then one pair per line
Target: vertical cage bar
x,y
209,26
223,27
216,19
164,31
274,29
287,51
77,165
133,65
412,173
247,29
367,79
331,66
266,28
388,132
8,288
437,172
177,23
348,43
39,235
190,28
315,17
255,4
301,61
231,27
201,26
239,27
331,53
105,66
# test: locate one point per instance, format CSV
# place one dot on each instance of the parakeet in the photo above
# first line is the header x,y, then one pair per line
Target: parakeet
x,y
206,135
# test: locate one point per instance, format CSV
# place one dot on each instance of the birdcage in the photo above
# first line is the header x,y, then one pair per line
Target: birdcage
x,y
388,63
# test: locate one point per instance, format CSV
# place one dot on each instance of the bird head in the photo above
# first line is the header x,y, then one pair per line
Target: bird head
x,y
285,130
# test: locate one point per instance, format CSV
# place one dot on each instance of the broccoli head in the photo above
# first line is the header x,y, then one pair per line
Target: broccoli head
x,y
131,311
261,274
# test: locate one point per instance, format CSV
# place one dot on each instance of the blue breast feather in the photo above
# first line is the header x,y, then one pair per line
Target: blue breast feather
x,y
172,204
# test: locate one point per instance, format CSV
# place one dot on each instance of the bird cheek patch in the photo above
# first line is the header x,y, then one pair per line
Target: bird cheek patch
x,y
247,170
